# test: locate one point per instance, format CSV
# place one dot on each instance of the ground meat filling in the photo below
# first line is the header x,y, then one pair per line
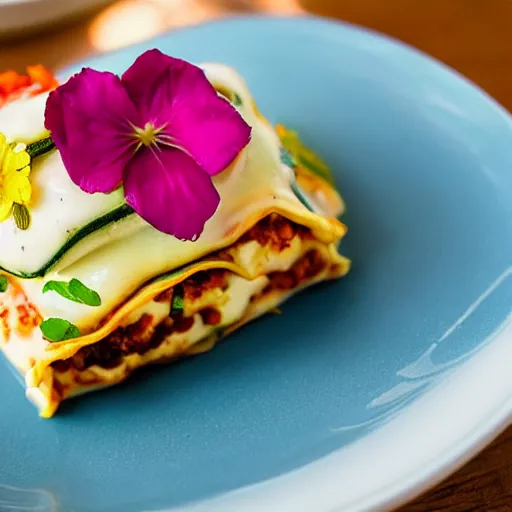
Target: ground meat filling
x,y
200,282
309,266
141,336
275,230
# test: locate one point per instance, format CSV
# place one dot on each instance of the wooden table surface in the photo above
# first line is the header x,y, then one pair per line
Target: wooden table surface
x,y
473,36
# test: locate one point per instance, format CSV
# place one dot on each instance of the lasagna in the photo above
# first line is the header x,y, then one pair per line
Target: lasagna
x,y
275,232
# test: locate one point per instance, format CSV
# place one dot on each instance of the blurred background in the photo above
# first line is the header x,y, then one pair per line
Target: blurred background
x,y
473,36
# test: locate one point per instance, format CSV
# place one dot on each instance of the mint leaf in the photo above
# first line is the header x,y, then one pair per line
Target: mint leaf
x,y
84,294
75,290
61,287
4,283
58,329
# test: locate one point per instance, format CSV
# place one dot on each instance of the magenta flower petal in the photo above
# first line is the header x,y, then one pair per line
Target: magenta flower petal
x,y
90,118
176,94
148,83
170,191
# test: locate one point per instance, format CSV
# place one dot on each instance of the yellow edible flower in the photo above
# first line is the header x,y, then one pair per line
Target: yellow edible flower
x,y
15,187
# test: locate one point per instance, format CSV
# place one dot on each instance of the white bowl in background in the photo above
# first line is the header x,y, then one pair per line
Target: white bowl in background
x,y
17,16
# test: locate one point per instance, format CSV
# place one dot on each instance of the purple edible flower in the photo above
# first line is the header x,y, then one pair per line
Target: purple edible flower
x,y
161,131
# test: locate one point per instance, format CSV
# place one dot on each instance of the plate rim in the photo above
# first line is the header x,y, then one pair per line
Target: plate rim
x,y
400,492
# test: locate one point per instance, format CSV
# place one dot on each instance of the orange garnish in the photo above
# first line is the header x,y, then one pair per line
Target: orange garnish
x,y
13,85
10,82
42,77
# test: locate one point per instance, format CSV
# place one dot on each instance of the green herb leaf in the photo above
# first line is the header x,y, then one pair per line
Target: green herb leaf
x,y
21,216
237,101
75,290
40,147
84,294
4,283
178,300
61,287
58,329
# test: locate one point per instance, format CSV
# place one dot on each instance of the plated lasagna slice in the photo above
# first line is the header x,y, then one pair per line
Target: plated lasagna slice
x,y
90,291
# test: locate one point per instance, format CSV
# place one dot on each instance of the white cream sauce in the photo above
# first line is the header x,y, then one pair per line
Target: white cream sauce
x,y
23,119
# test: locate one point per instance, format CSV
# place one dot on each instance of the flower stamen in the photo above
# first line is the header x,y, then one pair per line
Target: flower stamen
x,y
152,137
148,135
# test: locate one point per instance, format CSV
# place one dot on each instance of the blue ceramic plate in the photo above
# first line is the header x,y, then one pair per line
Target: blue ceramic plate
x,y
366,390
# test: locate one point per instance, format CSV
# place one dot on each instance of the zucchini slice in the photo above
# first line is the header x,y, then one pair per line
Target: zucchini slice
x,y
115,215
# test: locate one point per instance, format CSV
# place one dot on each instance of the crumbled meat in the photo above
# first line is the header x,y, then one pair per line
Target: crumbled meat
x,y
210,316
106,353
197,284
310,265
182,323
274,230
62,365
138,338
